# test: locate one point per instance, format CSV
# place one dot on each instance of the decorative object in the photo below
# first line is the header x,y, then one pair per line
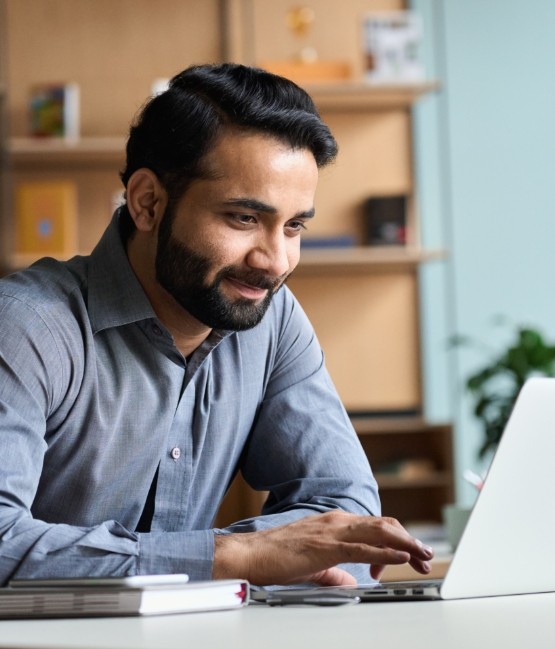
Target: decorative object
x,y
300,20
392,46
305,65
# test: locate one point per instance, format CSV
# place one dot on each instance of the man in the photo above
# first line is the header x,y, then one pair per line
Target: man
x,y
136,382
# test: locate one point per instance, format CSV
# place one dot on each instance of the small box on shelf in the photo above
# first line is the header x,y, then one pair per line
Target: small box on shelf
x,y
385,220
54,110
45,218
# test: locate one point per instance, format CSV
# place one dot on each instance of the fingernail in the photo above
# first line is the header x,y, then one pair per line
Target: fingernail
x,y
426,548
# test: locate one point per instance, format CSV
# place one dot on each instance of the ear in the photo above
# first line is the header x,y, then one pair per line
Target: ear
x,y
146,199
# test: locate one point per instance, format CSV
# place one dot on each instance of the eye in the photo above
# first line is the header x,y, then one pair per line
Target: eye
x,y
296,227
243,219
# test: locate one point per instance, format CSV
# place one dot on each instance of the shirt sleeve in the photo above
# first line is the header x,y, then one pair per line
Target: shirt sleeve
x,y
33,377
303,448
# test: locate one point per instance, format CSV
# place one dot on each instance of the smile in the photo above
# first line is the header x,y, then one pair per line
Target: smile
x,y
247,291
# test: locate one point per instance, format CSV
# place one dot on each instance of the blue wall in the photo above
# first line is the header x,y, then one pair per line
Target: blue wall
x,y
485,154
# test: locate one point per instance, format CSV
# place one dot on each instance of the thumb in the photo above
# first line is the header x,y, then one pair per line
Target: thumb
x,y
333,577
376,571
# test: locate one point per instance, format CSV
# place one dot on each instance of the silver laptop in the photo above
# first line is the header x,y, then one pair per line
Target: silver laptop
x,y
507,545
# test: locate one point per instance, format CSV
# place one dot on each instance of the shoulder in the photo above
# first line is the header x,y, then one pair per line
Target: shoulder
x,y
44,299
42,286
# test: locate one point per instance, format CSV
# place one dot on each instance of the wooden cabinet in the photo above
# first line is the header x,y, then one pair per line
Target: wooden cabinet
x,y
412,462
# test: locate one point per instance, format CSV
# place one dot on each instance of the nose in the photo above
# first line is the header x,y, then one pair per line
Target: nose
x,y
272,254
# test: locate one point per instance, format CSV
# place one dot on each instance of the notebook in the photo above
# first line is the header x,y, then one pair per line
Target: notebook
x,y
507,545
141,595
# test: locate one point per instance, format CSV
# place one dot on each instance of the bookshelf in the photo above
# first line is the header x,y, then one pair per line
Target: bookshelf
x,y
412,462
363,301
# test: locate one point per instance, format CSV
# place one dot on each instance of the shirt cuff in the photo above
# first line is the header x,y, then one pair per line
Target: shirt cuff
x,y
191,553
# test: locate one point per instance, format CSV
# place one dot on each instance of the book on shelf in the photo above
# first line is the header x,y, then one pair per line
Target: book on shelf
x,y
333,241
112,597
46,218
55,110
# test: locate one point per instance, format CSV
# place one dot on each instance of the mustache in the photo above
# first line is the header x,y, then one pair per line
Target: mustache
x,y
253,278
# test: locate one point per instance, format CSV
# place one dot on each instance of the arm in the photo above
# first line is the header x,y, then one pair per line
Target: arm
x,y
304,451
37,370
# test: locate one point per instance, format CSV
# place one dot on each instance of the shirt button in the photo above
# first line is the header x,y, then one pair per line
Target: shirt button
x,y
176,453
156,330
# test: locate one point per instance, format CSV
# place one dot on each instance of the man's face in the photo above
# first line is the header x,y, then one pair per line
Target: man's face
x,y
233,238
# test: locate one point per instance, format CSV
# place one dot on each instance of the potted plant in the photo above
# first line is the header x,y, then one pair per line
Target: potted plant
x,y
495,386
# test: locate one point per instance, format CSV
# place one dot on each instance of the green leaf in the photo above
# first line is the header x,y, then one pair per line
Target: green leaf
x,y
495,386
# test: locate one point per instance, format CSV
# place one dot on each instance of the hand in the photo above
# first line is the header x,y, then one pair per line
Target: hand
x,y
311,548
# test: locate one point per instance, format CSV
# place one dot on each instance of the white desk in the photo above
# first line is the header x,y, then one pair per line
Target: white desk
x,y
506,622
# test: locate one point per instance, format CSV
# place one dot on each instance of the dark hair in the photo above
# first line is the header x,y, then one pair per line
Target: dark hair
x,y
176,128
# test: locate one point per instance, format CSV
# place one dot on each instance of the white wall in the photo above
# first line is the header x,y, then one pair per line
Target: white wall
x,y
485,149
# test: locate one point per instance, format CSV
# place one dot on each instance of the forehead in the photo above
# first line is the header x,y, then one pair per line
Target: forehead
x,y
251,157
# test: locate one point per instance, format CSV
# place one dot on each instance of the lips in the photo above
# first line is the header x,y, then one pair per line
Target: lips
x,y
247,291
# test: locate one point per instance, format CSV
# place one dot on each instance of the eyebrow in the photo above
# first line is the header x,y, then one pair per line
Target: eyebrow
x,y
259,206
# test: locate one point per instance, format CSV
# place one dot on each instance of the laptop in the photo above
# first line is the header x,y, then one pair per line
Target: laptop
x,y
507,545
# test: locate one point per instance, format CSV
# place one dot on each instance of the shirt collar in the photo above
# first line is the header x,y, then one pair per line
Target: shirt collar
x,y
115,297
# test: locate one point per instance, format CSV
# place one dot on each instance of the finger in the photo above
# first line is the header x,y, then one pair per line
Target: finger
x,y
428,551
423,567
398,538
386,556
386,533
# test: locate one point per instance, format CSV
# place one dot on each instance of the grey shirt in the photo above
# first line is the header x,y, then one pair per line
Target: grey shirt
x,y
95,397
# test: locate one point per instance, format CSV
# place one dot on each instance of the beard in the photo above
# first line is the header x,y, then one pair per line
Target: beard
x,y
183,273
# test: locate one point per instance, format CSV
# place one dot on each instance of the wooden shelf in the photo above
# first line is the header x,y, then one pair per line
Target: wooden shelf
x,y
436,479
19,261
402,441
321,261
59,151
395,425
361,95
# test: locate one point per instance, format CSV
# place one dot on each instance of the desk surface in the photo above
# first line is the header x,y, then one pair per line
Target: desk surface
x,y
508,622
